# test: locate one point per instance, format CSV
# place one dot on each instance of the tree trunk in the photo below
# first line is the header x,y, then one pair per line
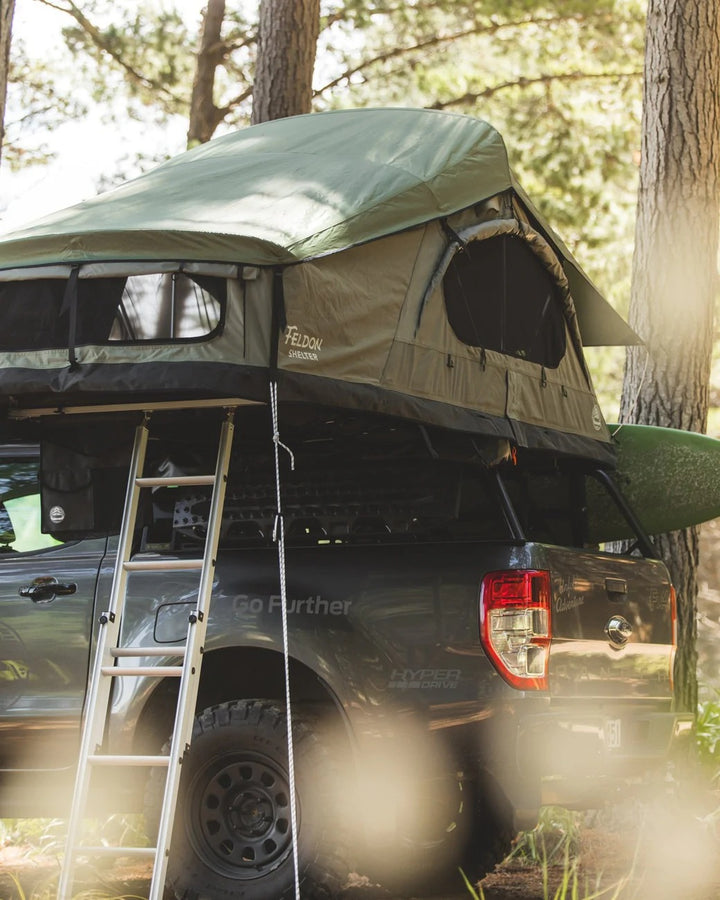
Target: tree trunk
x,y
675,263
205,116
287,41
7,9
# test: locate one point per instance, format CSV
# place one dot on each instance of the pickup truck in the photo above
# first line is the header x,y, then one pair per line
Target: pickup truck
x,y
461,654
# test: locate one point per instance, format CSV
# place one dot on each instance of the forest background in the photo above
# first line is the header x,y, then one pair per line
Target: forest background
x,y
102,91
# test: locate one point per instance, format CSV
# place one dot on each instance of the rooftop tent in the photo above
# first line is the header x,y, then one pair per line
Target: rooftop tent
x,y
377,260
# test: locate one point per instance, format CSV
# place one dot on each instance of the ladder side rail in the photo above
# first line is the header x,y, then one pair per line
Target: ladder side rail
x,y
189,682
98,697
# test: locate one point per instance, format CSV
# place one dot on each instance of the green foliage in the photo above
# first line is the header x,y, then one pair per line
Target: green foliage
x,y
569,887
147,52
37,837
555,837
48,891
470,889
554,844
140,48
37,105
45,838
707,734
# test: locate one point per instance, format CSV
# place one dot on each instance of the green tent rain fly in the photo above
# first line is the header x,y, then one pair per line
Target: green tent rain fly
x,y
380,260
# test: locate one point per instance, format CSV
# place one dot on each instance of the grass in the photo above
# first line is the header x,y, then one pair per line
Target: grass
x,y
554,844
45,838
707,735
38,836
555,837
568,888
48,892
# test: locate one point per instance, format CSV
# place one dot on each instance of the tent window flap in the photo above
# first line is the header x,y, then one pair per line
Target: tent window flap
x,y
499,296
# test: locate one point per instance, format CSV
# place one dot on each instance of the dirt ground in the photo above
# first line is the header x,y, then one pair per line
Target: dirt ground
x,y
638,851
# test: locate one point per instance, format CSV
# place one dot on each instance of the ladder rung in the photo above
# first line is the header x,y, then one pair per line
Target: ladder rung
x,y
108,759
161,565
138,652
151,671
174,480
144,852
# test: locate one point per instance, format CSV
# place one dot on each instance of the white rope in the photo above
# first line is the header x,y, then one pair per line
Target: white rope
x,y
279,538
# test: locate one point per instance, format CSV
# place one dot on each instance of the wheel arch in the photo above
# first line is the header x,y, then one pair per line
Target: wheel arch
x,y
236,673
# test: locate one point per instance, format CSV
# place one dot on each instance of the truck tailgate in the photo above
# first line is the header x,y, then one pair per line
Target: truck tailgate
x,y
612,626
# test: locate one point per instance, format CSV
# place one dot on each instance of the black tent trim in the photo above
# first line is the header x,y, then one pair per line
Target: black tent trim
x,y
123,383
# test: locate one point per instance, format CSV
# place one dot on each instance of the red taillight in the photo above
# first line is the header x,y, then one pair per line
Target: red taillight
x,y
515,625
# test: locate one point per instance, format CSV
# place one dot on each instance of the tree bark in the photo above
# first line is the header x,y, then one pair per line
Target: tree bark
x,y
7,10
287,42
205,116
674,279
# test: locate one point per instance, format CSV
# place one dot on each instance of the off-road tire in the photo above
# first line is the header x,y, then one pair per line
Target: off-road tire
x,y
232,836
474,831
494,830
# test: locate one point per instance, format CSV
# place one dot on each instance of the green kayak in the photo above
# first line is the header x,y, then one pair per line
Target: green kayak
x,y
671,479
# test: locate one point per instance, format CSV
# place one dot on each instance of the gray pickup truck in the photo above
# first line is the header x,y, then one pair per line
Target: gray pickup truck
x,y
461,654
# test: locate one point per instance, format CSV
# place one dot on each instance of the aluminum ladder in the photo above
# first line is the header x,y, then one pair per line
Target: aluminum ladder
x,y
104,668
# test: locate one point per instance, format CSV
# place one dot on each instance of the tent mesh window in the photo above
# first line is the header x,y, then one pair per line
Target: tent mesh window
x,y
499,296
168,307
155,307
32,315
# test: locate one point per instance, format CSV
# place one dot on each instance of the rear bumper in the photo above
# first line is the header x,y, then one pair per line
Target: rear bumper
x,y
583,761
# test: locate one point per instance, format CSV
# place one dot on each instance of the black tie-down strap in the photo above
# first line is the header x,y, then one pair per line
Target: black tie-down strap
x,y
70,306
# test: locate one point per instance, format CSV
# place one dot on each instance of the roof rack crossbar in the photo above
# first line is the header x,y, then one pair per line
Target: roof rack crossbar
x,y
147,406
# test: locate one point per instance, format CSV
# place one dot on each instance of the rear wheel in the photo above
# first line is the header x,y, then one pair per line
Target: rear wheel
x,y
232,838
466,826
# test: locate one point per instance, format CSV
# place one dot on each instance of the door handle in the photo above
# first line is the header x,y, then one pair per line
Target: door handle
x,y
45,589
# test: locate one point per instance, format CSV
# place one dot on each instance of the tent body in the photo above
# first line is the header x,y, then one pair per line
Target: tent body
x,y
376,260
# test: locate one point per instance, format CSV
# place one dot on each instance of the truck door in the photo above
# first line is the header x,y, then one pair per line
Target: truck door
x,y
46,613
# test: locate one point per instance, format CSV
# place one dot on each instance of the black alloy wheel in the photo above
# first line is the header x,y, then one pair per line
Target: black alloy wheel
x,y
240,820
232,837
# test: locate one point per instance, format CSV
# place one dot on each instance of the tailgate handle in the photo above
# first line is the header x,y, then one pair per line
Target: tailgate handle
x,y
616,586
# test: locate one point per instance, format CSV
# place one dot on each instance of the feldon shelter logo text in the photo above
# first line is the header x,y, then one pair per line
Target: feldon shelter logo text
x,y
300,345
